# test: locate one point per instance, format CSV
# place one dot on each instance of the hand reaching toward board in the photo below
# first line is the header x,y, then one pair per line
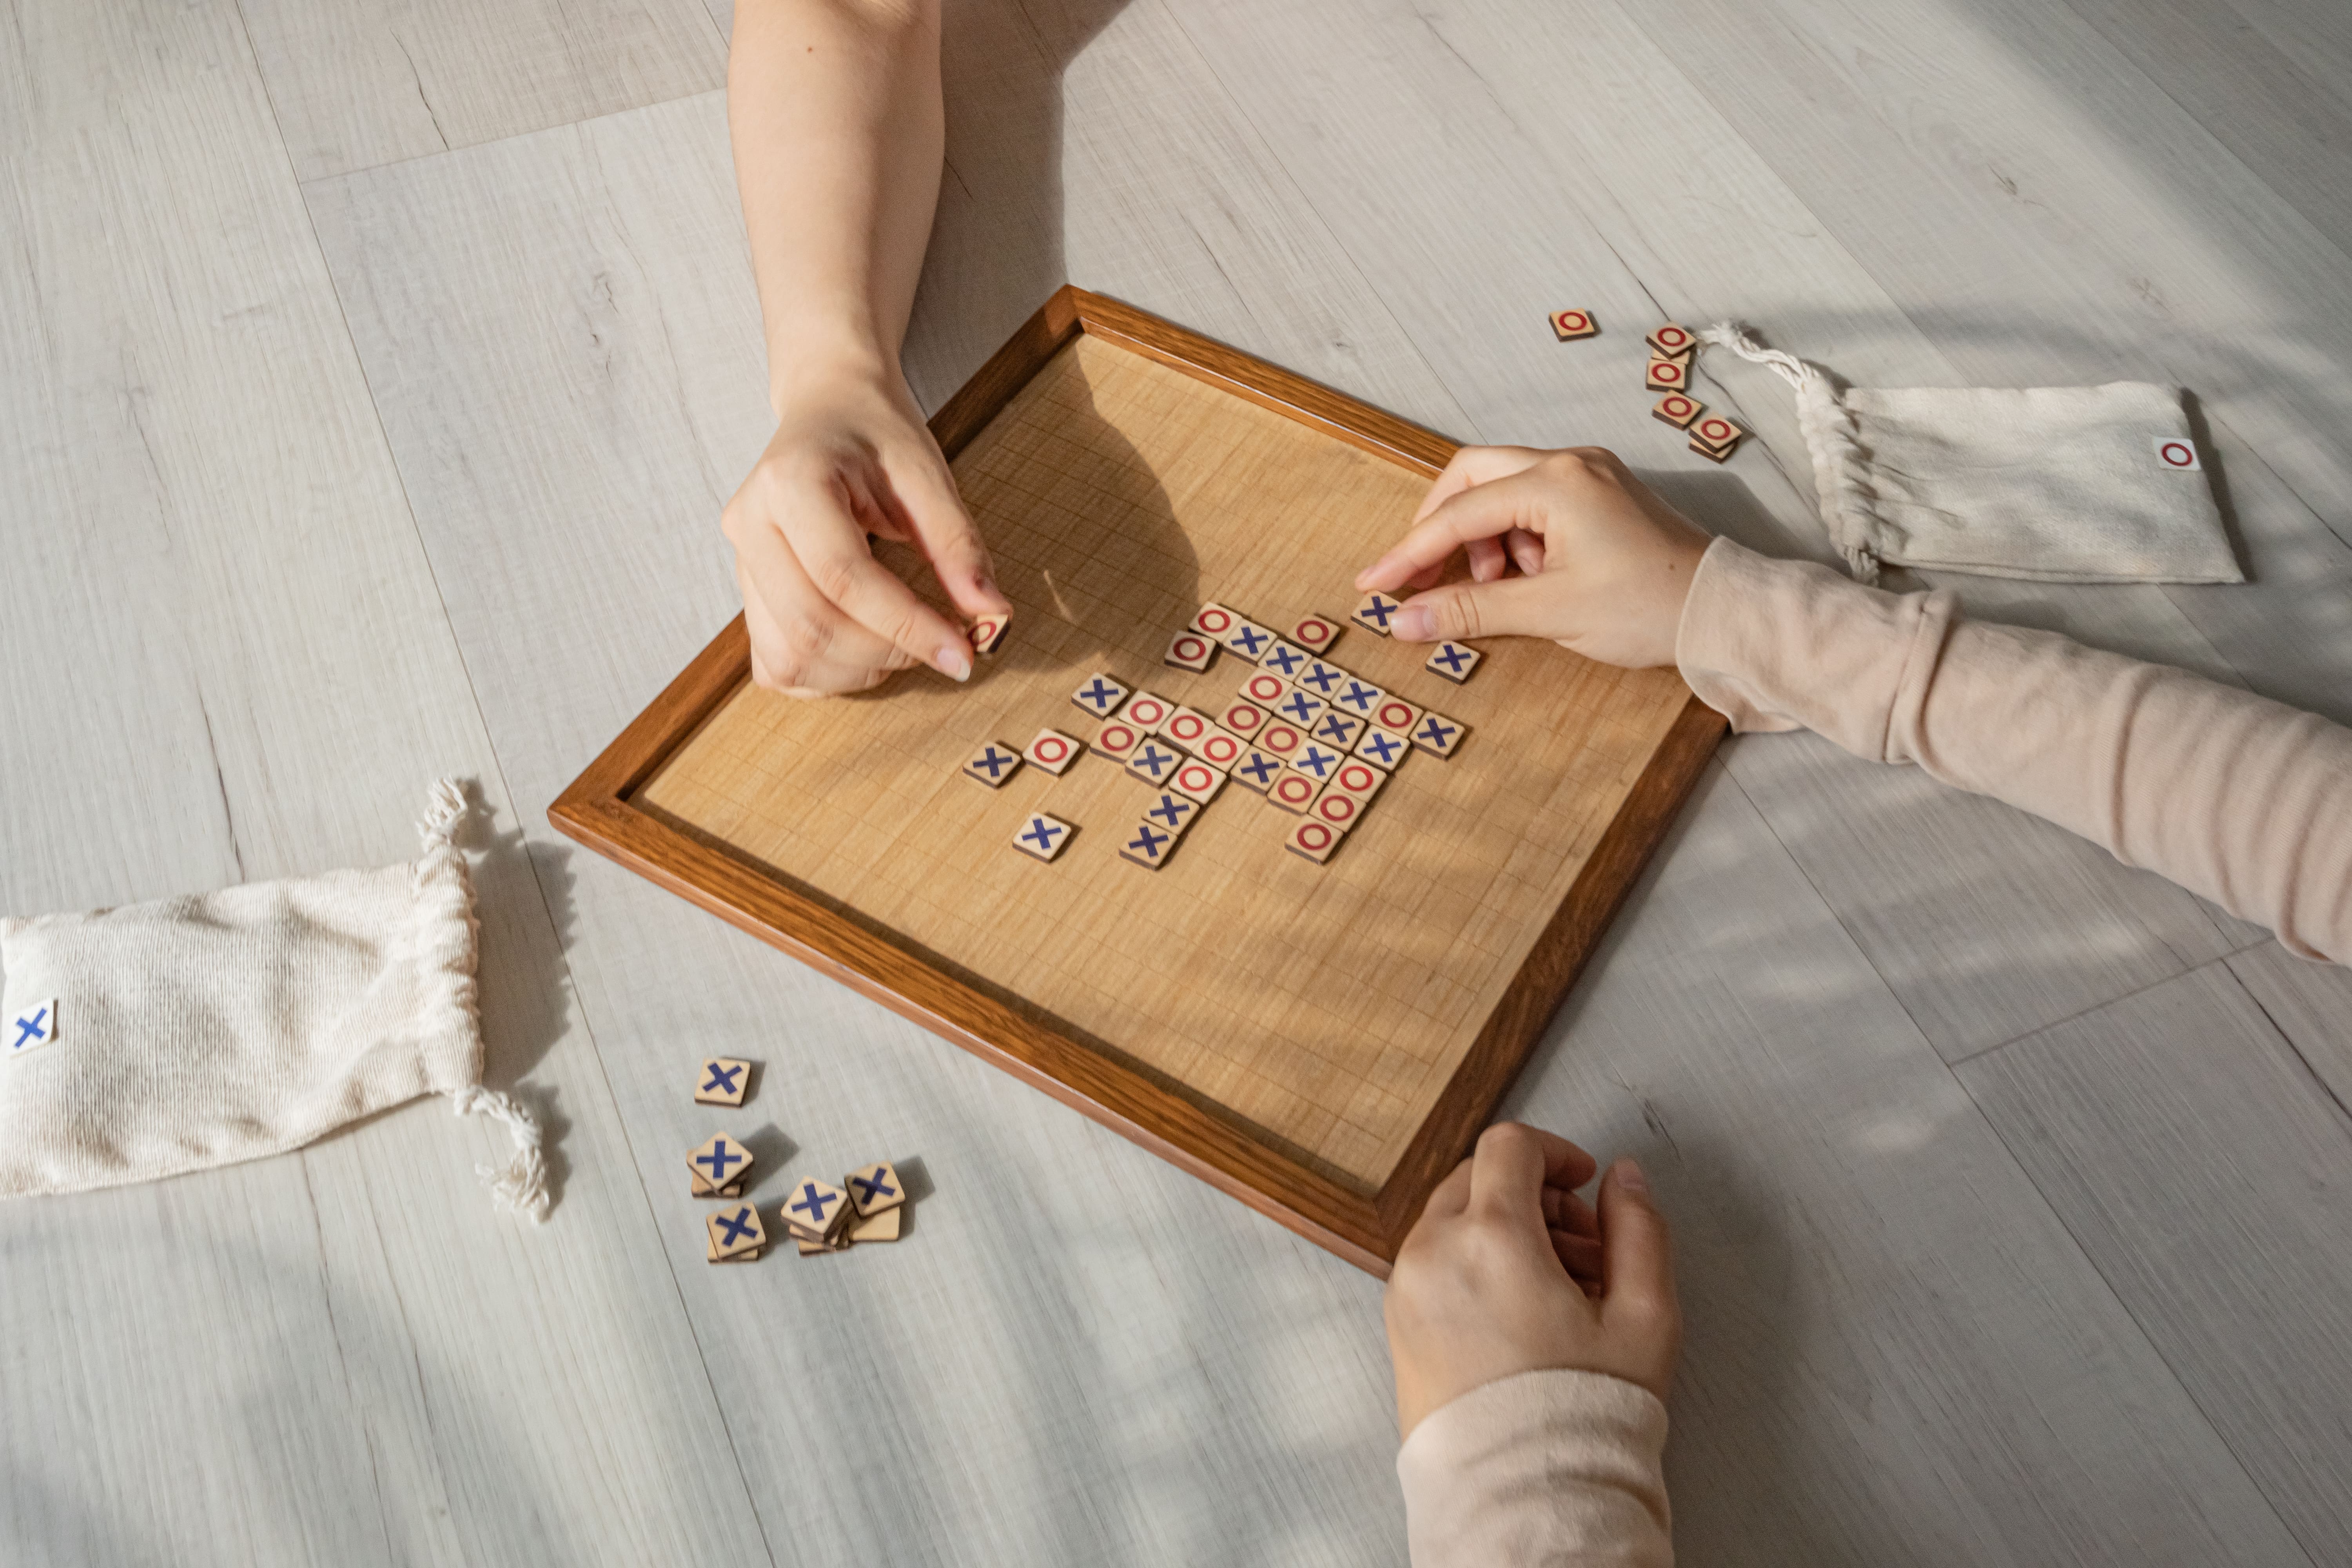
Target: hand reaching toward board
x,y
1604,565
1508,1271
851,458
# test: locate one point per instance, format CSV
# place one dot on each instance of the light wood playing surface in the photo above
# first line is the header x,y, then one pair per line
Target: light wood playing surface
x,y
371,376
1326,1005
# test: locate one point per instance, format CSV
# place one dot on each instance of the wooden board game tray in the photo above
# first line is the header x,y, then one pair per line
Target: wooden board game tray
x,y
1322,1042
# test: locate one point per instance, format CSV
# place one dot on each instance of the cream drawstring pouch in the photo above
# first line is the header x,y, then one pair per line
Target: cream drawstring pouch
x,y
2060,484
145,1041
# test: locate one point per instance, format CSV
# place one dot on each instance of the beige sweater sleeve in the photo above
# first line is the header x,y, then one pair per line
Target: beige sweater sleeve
x,y
2233,796
1549,1467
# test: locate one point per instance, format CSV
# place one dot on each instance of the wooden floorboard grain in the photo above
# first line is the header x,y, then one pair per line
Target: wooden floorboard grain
x,y
1984,922
1896,1354
360,82
227,661
2205,1171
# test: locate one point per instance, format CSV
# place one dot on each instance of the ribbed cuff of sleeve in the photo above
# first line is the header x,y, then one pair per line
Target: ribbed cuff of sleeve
x,y
1543,1467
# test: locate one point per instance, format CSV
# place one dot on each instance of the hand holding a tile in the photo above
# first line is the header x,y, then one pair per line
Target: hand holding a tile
x,y
1604,564
851,458
1508,1271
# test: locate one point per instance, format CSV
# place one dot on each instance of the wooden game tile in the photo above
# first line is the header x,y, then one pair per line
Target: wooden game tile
x,y
1041,838
1357,777
1300,708
1678,409
1670,339
30,1028
1438,735
1154,762
719,1164
703,1189
1187,728
874,1190
1336,809
1361,697
992,765
1568,324
1384,748
1117,739
1313,840
1286,660
1243,717
1190,650
817,1249
1257,770
1197,779
734,1232
1220,747
710,1251
1053,751
883,1226
1170,812
1667,375
1146,845
815,1211
1148,713
723,1080
1320,679
1247,640
1318,762
1213,620
1338,730
1715,437
1294,792
1374,611
1101,695
1453,662
1265,688
988,632
1315,634
1281,740
1395,715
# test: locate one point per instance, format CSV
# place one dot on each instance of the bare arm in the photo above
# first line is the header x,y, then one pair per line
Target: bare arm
x,y
834,110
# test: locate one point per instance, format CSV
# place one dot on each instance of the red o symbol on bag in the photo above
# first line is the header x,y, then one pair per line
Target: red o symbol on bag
x,y
2175,454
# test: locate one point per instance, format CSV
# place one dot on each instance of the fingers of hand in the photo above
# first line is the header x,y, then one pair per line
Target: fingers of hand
x,y
1515,1163
1475,466
1483,511
1637,1254
833,552
1514,606
1527,550
800,643
1581,1256
1563,1210
948,538
1487,561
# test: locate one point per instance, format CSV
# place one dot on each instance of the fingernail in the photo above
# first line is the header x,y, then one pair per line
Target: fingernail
x,y
1415,624
1629,1177
954,662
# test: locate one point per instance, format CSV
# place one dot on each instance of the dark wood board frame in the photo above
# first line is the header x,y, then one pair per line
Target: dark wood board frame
x,y
597,810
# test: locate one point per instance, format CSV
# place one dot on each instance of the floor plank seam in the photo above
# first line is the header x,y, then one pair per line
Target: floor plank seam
x,y
2212,1427
463,148
2317,1079
2079,1013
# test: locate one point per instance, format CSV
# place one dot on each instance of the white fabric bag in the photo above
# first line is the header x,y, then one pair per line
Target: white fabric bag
x,y
2060,484
157,1038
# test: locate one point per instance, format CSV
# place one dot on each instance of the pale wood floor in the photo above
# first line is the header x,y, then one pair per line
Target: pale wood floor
x,y
372,372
